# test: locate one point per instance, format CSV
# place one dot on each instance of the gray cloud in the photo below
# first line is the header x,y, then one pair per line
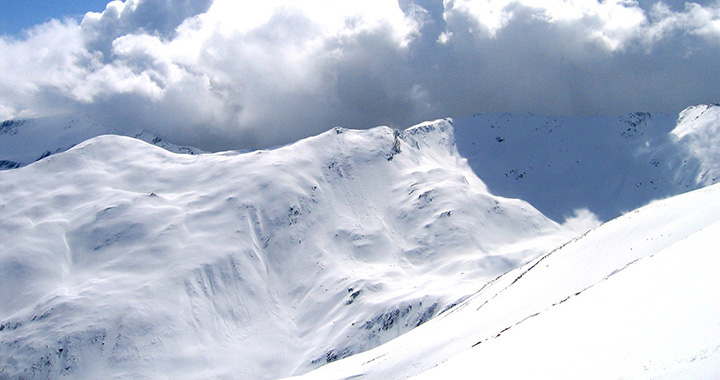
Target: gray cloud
x,y
224,74
154,17
534,66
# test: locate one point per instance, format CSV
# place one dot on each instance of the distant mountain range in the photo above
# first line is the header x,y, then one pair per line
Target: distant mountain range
x,y
560,164
608,165
25,141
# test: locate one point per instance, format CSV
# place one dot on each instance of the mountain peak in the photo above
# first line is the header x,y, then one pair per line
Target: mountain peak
x,y
320,249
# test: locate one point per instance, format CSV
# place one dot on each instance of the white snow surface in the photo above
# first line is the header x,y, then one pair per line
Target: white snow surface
x,y
119,259
123,260
608,165
636,298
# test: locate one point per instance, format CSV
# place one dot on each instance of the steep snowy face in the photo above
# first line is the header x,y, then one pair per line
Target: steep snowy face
x,y
698,133
121,259
636,298
608,165
23,142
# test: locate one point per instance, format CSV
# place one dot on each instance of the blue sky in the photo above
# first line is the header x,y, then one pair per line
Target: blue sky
x,y
18,15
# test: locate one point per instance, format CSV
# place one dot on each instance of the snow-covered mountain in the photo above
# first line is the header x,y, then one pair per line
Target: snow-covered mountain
x,y
608,165
560,164
25,141
636,298
119,259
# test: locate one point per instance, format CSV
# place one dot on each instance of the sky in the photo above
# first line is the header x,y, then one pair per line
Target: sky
x,y
227,74
19,15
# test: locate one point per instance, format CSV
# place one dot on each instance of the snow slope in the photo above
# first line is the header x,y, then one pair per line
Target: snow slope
x,y
119,259
608,165
25,141
123,260
636,298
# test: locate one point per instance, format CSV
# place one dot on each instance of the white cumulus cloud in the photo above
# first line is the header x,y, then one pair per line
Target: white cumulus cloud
x,y
228,74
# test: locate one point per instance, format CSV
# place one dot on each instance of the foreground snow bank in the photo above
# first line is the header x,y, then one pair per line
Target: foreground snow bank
x,y
638,297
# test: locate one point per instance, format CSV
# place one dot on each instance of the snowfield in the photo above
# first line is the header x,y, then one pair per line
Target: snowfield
x,y
637,298
373,254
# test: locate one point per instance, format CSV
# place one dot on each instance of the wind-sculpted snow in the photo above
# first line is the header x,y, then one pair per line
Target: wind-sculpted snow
x,y
636,298
123,260
607,165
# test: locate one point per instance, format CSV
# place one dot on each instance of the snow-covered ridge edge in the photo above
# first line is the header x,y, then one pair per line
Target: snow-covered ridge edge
x,y
698,130
24,141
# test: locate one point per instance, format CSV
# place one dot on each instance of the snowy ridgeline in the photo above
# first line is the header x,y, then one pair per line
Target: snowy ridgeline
x,y
23,142
607,165
121,259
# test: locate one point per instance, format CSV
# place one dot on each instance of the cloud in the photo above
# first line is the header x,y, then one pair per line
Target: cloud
x,y
578,61
154,17
38,71
225,74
